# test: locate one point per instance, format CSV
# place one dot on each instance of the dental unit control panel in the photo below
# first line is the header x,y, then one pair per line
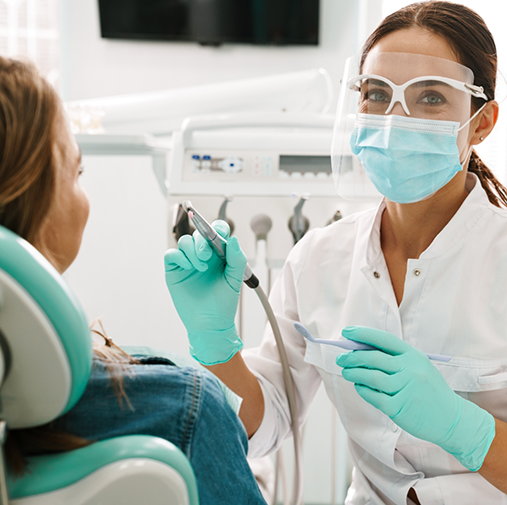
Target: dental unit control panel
x,y
254,166
253,154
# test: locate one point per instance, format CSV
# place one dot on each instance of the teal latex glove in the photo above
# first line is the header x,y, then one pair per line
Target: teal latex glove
x,y
205,292
403,383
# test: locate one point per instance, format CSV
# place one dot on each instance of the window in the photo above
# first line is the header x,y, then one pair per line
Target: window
x,y
30,28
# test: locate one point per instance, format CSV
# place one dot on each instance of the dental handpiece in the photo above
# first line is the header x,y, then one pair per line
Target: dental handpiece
x,y
216,241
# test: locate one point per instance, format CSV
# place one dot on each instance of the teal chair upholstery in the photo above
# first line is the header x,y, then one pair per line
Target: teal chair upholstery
x,y
45,364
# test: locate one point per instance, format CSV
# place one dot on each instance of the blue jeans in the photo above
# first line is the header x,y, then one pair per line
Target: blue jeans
x,y
181,404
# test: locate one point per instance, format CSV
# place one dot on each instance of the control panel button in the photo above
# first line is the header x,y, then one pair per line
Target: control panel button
x,y
206,163
231,165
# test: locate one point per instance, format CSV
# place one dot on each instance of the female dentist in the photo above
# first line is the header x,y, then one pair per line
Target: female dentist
x,y
424,272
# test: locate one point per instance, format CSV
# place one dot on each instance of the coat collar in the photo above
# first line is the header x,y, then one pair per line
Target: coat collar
x,y
465,219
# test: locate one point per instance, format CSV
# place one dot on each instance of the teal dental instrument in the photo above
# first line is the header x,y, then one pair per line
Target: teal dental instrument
x,y
217,242
352,345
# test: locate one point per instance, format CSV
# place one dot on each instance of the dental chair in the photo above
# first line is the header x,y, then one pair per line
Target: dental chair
x,y
45,364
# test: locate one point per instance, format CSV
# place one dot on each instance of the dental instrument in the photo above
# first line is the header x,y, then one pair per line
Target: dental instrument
x,y
352,345
218,243
222,212
298,223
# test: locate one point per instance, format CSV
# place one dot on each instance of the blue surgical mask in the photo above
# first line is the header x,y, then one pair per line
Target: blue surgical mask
x,y
407,159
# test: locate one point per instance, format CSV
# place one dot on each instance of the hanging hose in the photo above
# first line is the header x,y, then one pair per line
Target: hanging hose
x,y
218,243
291,397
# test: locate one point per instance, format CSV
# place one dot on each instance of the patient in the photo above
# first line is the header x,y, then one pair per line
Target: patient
x,y
41,200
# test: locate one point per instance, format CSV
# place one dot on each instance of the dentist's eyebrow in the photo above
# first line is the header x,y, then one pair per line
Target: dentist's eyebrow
x,y
431,83
375,82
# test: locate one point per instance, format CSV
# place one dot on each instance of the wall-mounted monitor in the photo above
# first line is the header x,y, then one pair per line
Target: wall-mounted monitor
x,y
213,22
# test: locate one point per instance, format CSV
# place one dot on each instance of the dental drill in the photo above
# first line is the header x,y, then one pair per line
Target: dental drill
x,y
218,243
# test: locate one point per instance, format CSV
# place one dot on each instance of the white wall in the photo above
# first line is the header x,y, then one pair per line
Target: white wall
x,y
94,67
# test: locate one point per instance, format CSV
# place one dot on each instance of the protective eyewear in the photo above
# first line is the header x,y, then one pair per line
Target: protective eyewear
x,y
424,96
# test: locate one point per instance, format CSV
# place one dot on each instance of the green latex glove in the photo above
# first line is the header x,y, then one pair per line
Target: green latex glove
x,y
205,292
403,383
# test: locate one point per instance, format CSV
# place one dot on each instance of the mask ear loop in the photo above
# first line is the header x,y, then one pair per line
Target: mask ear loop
x,y
473,117
465,164
469,154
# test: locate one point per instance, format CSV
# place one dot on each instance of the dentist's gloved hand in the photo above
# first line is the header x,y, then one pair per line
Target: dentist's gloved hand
x,y
205,292
403,383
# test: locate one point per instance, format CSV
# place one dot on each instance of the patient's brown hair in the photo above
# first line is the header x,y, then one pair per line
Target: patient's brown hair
x,y
29,112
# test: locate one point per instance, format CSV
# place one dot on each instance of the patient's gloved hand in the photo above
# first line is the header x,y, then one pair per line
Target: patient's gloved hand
x,y
205,292
402,382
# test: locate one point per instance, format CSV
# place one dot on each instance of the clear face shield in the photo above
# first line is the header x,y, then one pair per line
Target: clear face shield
x,y
401,118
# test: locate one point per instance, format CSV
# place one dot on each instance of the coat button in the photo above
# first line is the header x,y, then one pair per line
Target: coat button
x,y
417,272
394,427
376,275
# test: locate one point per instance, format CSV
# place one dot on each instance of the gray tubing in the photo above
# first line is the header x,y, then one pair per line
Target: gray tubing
x,y
291,397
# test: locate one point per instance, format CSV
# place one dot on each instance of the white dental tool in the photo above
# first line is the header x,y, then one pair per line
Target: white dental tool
x,y
216,241
353,345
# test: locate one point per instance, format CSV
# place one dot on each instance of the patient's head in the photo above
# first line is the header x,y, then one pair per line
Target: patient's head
x,y
41,198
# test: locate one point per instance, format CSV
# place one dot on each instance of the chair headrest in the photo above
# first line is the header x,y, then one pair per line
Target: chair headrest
x,y
46,334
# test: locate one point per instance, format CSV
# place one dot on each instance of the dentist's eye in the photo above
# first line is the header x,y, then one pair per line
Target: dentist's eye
x,y
376,96
81,169
432,99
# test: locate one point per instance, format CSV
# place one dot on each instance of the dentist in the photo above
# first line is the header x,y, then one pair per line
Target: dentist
x,y
424,272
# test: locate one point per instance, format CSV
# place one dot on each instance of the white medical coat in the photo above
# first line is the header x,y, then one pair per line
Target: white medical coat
x,y
454,303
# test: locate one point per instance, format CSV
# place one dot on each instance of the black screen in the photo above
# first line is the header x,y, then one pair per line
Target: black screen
x,y
212,21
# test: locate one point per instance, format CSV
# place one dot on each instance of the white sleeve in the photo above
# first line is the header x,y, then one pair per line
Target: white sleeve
x,y
264,361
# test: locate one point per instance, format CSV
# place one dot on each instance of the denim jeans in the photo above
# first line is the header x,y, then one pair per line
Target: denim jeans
x,y
184,405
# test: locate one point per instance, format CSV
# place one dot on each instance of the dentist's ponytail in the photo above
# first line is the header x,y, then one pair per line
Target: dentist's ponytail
x,y
496,191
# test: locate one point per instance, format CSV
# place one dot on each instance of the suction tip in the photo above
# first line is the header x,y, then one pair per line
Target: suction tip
x,y
187,206
260,225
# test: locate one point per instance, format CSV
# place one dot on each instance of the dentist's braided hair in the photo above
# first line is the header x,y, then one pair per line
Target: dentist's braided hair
x,y
469,37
